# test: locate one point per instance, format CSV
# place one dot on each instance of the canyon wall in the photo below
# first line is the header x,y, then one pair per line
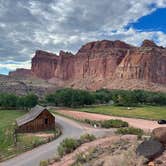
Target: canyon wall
x,y
103,64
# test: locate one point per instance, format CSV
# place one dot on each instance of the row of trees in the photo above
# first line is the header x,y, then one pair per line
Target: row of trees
x,y
137,97
75,98
72,98
12,101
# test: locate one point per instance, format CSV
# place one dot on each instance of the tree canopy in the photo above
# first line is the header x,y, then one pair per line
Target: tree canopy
x,y
13,101
74,97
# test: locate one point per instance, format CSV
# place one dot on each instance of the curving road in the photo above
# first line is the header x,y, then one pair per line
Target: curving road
x,y
70,129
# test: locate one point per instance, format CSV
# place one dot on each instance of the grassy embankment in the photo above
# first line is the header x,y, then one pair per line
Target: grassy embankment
x,y
144,112
25,142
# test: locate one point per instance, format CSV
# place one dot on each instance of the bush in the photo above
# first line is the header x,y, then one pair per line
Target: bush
x,y
87,138
113,123
56,158
131,130
68,145
44,163
92,122
81,158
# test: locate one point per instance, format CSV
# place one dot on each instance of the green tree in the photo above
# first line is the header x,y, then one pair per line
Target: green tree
x,y
8,100
30,100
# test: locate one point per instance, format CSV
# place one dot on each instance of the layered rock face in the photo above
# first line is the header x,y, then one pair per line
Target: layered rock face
x,y
20,73
103,64
23,85
145,63
44,64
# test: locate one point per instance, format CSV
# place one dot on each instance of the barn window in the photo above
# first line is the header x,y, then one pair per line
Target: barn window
x,y
46,121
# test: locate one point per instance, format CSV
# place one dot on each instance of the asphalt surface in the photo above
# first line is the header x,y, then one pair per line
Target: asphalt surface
x,y
70,129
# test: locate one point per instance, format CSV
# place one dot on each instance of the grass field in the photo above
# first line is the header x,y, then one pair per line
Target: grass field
x,y
145,112
25,142
7,121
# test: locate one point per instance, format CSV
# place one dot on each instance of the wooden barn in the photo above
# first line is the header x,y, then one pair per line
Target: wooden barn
x,y
38,119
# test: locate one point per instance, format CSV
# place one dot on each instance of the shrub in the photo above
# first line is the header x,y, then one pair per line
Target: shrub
x,y
81,158
92,122
113,123
68,145
44,163
84,157
56,158
87,138
131,130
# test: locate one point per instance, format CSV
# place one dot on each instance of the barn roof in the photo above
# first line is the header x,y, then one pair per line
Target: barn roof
x,y
33,114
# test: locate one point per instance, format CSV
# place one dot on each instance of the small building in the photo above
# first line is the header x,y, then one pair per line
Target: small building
x,y
38,119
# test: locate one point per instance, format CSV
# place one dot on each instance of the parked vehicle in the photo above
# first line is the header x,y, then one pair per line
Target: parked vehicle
x,y
161,121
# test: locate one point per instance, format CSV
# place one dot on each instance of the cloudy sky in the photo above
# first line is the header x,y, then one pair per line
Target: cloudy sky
x,y
53,25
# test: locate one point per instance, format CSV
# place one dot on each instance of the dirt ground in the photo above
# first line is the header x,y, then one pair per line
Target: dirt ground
x,y
103,142
146,125
42,135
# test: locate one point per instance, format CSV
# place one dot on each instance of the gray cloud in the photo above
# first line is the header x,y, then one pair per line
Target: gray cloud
x,y
27,25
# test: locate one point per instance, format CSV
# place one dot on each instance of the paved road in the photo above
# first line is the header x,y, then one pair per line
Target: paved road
x,y
70,129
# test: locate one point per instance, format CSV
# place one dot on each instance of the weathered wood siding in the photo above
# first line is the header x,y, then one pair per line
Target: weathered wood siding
x,y
44,121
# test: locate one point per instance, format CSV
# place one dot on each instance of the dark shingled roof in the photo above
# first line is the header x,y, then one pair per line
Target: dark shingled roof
x,y
34,113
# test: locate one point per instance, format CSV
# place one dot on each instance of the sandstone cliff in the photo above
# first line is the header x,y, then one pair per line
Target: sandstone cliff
x,y
108,64
20,73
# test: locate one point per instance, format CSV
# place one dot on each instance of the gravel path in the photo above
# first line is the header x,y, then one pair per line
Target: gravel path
x,y
147,125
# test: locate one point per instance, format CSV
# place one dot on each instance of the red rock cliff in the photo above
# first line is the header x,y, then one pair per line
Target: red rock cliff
x,y
99,64
44,64
145,63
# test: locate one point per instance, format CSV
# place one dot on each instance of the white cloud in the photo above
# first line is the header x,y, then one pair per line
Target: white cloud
x,y
67,24
14,65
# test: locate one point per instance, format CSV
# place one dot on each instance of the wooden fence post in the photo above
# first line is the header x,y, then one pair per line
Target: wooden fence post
x,y
15,137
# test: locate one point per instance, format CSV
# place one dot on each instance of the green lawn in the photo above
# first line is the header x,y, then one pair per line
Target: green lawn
x,y
145,112
7,121
25,142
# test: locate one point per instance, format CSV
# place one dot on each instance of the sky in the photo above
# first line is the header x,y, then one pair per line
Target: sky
x,y
54,25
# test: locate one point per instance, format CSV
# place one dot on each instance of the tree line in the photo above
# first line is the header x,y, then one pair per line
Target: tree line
x,y
8,100
75,98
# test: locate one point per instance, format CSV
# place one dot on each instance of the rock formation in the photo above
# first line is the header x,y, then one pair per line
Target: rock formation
x,y
44,64
160,134
23,85
20,73
104,64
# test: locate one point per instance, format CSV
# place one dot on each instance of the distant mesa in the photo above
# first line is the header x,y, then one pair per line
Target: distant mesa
x,y
20,73
98,64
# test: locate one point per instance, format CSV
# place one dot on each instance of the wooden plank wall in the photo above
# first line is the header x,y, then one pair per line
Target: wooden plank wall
x,y
39,124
